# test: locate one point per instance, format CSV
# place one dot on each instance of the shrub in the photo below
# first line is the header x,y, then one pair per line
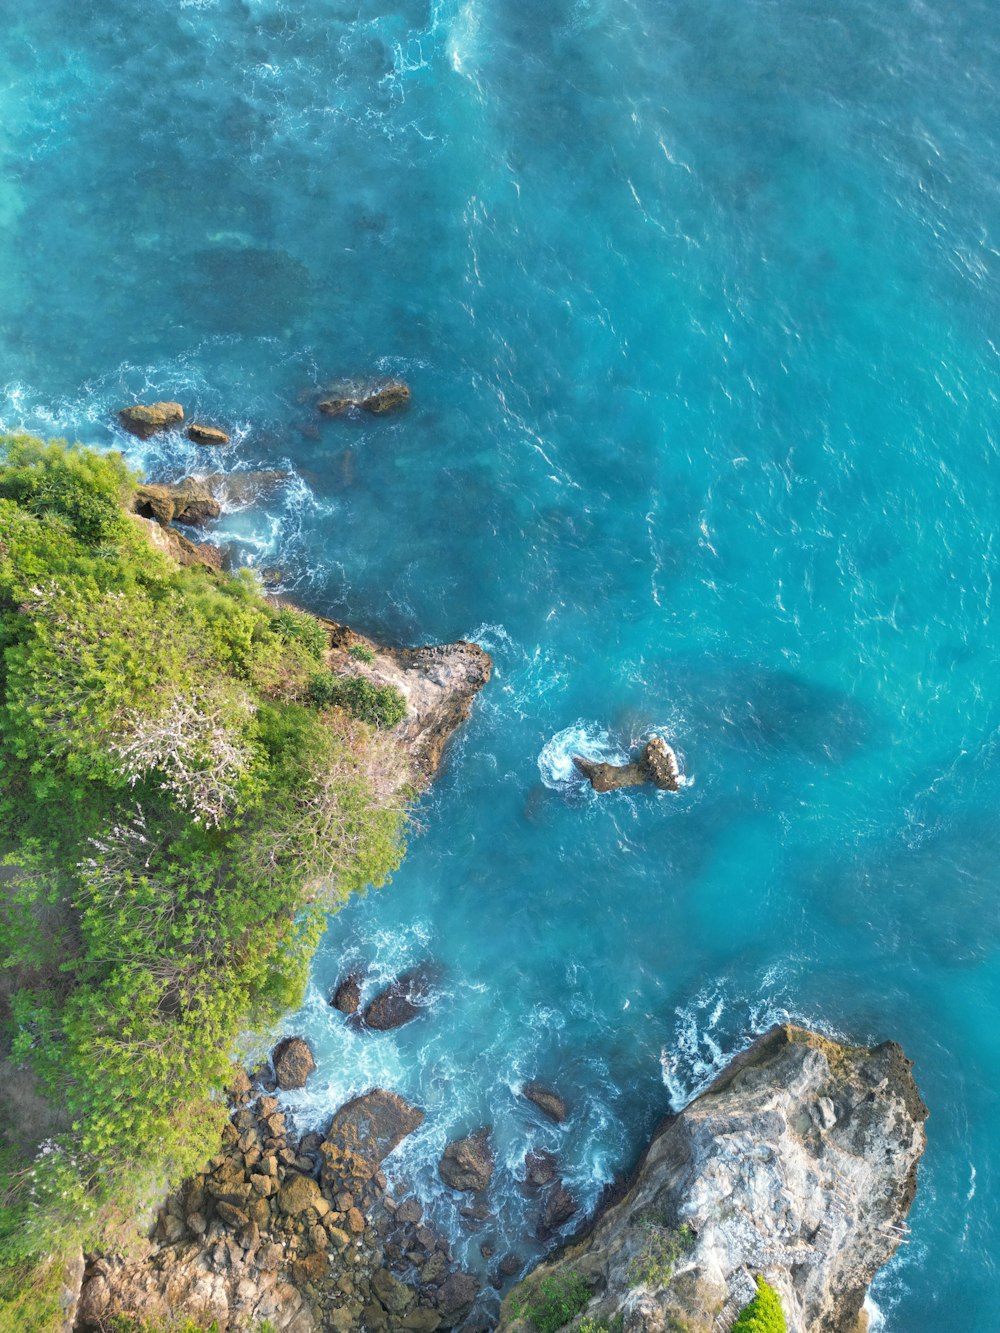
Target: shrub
x,y
763,1314
615,1324
360,653
654,1265
553,1302
379,705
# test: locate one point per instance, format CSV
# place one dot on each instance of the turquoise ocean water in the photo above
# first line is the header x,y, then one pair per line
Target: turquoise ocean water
x,y
699,307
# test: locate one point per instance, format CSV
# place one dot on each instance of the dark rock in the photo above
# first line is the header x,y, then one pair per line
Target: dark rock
x,y
455,1296
559,1208
410,1210
476,1212
362,1133
231,1216
297,1194
487,1250
386,398
202,434
550,1103
467,1164
511,1265
293,1063
145,421
657,764
347,996
188,501
403,1000
540,1167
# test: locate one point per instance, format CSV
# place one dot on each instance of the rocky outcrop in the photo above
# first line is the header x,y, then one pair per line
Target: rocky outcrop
x,y
363,1133
389,397
438,684
547,1101
293,1062
199,433
798,1163
178,547
401,1002
347,996
146,420
189,501
467,1164
657,764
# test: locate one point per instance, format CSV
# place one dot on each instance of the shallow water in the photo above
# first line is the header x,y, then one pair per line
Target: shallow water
x,y
699,307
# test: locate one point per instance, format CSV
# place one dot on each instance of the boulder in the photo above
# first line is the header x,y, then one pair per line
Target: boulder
x,y
386,398
188,501
393,1294
362,1134
547,1101
559,1207
210,435
539,1168
455,1296
467,1164
402,1001
657,764
297,1194
293,1062
145,421
178,547
347,996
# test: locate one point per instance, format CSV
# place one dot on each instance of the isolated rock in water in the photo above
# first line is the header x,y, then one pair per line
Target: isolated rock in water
x,y
145,421
467,1164
546,1100
387,398
799,1161
188,501
362,1133
347,996
540,1167
293,1062
657,764
403,1000
202,434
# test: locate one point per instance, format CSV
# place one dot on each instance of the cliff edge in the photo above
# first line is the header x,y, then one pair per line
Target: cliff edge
x,y
799,1163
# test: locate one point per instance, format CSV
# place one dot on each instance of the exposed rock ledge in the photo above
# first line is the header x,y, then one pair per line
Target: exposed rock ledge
x,y
438,683
798,1163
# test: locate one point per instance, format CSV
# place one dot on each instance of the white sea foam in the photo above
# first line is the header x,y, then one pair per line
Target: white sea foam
x,y
587,739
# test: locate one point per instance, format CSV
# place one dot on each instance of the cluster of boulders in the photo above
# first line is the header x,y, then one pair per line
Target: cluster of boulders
x,y
467,1164
377,399
297,1231
145,420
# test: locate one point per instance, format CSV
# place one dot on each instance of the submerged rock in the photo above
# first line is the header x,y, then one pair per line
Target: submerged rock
x,y
293,1062
189,501
146,420
386,398
210,435
799,1161
467,1164
657,764
403,1000
547,1101
559,1207
347,996
244,488
540,1168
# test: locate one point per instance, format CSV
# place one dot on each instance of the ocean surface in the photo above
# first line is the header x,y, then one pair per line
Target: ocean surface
x,y
699,306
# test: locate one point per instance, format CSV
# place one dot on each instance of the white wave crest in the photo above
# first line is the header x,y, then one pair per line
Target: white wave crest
x,y
587,739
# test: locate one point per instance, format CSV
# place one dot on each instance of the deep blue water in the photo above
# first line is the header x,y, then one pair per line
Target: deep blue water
x,y
698,302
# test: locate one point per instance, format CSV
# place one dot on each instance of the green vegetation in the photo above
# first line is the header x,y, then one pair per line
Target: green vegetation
x,y
378,705
614,1325
654,1265
178,811
360,653
763,1314
552,1302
